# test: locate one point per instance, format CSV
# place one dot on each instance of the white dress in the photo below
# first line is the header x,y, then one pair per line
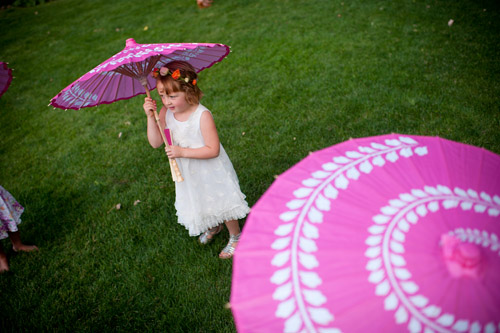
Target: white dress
x,y
210,193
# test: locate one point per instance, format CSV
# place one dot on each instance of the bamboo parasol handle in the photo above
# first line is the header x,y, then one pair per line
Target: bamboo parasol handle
x,y
174,168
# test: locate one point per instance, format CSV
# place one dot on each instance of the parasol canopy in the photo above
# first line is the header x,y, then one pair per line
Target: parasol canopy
x,y
126,74
378,234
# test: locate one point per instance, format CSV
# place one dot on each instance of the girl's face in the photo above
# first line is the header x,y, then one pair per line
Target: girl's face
x,y
174,101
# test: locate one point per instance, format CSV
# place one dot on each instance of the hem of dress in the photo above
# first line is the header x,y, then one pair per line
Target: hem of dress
x,y
213,221
5,233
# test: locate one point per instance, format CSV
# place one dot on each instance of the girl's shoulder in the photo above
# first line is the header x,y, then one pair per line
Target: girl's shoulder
x,y
201,110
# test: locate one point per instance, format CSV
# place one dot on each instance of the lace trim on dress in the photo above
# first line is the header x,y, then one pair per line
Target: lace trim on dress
x,y
211,221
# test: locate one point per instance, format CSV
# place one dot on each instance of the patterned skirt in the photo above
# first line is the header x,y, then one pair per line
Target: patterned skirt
x,y
10,213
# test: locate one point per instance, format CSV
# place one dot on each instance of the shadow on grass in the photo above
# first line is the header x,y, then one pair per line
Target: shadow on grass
x,y
51,212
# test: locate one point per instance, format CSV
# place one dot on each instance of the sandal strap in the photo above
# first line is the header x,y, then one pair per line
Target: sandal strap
x,y
229,247
204,239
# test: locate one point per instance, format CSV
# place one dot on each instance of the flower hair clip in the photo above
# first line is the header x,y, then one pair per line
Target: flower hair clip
x,y
176,75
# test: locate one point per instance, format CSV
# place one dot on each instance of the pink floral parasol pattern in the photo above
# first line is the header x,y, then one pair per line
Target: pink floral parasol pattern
x,y
5,77
123,75
379,234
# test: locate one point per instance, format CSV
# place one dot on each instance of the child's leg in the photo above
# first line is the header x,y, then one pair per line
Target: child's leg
x,y
234,236
233,227
4,263
17,245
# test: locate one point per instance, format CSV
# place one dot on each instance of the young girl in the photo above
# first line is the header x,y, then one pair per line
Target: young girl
x,y
210,194
10,213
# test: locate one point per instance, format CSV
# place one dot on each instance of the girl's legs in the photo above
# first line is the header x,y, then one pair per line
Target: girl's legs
x,y
4,263
17,245
233,227
234,234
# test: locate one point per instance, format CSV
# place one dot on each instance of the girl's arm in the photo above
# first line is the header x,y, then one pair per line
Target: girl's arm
x,y
210,136
154,136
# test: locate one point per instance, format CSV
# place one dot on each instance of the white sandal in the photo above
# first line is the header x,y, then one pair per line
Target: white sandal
x,y
208,235
228,251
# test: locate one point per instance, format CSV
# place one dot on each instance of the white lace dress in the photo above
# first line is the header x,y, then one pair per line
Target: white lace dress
x,y
210,193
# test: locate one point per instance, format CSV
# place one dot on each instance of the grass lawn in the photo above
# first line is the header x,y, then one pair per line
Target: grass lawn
x,y
302,75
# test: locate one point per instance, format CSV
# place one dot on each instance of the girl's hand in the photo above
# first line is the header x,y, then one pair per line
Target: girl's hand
x,y
173,151
149,107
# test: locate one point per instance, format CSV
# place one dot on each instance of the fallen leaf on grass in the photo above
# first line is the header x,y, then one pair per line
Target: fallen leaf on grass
x,y
117,207
136,202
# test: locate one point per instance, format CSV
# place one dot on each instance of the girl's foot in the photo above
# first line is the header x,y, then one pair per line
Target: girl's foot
x,y
228,251
204,3
24,248
208,235
4,263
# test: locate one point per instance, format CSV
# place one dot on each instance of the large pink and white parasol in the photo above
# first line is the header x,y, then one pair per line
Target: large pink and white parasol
x,y
379,234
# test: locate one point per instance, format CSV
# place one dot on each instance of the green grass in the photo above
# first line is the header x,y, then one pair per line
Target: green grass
x,y
302,75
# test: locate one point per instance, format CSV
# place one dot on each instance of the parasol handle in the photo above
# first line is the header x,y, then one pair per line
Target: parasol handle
x,y
174,168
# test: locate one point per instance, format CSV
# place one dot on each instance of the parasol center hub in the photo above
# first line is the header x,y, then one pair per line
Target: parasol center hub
x,y
462,259
130,42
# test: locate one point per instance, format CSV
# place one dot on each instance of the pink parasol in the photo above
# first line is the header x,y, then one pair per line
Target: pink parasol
x,y
5,77
126,74
378,234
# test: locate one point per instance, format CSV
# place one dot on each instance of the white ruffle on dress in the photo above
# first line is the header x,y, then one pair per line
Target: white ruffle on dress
x,y
210,193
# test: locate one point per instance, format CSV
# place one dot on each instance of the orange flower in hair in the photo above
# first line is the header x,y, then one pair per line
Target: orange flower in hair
x,y
155,72
176,74
194,82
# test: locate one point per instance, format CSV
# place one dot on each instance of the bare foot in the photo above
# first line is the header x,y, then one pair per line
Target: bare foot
x,y
4,263
204,3
25,248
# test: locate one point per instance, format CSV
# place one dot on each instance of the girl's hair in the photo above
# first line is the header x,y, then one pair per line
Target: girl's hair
x,y
192,91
